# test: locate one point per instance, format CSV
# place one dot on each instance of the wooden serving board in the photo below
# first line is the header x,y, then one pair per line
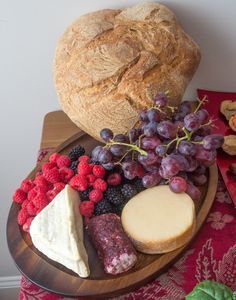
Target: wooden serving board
x,y
54,277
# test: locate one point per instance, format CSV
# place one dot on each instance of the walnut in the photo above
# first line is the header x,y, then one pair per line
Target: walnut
x,y
228,108
229,145
232,122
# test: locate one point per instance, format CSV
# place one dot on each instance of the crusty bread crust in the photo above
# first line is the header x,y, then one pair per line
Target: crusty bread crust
x,y
111,63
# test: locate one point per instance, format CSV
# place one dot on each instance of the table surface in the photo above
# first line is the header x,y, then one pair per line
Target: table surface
x,y
57,127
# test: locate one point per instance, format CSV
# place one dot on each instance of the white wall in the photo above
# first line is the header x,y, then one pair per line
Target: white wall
x,y
29,30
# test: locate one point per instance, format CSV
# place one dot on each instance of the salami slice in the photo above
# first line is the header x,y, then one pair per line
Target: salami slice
x,y
113,246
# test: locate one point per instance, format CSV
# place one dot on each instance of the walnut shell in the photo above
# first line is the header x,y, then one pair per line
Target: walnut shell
x,y
229,145
111,63
228,108
232,122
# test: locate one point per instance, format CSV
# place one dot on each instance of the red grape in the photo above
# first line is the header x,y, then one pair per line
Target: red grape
x,y
202,115
104,156
151,179
187,148
121,138
161,100
150,129
193,191
178,184
169,167
153,115
106,134
149,143
198,179
213,141
149,159
167,129
191,122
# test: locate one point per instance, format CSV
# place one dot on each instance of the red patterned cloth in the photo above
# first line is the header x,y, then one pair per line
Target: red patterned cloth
x,y
211,256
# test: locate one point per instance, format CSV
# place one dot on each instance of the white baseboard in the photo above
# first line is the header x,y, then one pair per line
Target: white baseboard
x,y
10,282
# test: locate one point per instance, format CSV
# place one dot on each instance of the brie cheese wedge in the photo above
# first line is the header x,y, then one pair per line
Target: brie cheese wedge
x,y
57,232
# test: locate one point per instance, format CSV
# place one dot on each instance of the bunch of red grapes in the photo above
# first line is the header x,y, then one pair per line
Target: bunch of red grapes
x,y
168,146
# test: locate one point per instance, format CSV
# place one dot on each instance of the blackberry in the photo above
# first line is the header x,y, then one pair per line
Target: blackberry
x,y
128,191
139,185
73,166
118,208
114,196
84,195
102,207
76,152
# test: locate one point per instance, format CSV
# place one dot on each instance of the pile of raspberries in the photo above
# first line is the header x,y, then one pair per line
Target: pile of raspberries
x,y
35,194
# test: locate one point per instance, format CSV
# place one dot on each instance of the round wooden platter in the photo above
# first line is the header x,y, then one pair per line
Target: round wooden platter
x,y
54,277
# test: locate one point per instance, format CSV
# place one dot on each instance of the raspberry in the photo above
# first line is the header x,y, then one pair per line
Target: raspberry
x,y
25,203
48,166
27,185
53,157
91,178
31,209
26,225
40,201
22,216
99,171
63,161
42,182
79,183
84,168
85,158
86,208
32,194
58,186
19,196
52,175
95,196
52,194
66,174
114,179
100,184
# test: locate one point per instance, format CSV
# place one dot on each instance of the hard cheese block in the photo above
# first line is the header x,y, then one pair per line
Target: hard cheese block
x,y
57,231
158,220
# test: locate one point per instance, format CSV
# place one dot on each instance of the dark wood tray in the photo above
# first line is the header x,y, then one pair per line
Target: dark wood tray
x,y
54,277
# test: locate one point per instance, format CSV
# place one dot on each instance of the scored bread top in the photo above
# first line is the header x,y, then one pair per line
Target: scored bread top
x,y
109,64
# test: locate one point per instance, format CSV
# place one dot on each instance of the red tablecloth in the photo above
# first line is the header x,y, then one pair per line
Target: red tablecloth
x,y
211,256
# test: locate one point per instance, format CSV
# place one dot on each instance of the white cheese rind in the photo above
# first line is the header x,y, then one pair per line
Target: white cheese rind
x,y
158,220
57,232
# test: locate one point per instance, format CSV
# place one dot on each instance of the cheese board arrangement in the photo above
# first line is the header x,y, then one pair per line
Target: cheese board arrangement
x,y
116,204
118,215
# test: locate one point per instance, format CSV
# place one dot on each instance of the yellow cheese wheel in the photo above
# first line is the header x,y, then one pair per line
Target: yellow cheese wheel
x,y
158,220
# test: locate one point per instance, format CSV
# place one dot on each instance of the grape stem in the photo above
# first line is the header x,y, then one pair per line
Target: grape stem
x,y
119,161
201,102
133,147
210,122
187,136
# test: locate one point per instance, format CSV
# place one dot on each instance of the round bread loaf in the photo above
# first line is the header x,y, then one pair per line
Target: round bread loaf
x,y
158,220
111,63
